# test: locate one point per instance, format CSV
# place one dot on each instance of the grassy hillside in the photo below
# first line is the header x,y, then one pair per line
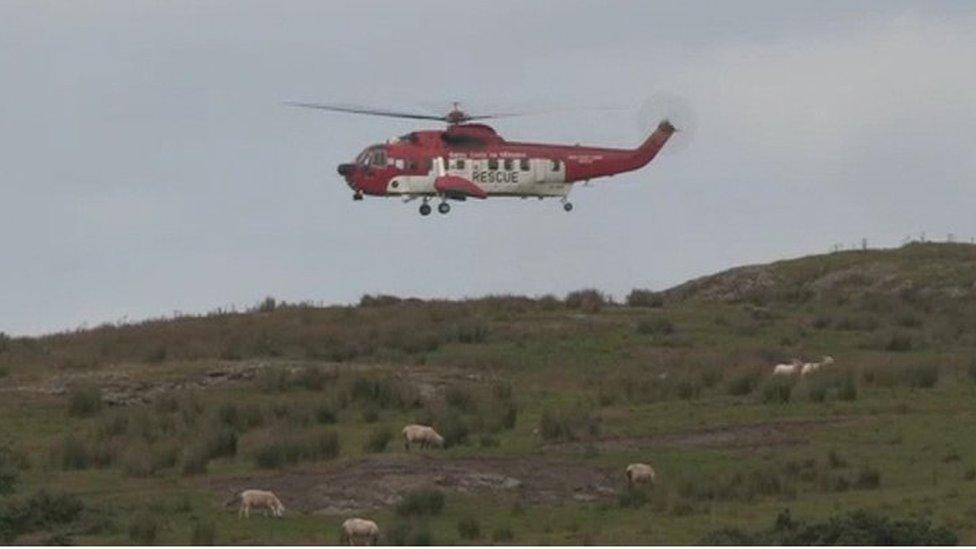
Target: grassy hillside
x,y
141,432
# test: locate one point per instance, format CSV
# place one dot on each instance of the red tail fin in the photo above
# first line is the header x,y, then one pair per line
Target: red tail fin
x,y
653,144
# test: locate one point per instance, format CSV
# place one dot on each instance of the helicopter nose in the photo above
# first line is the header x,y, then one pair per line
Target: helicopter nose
x,y
346,169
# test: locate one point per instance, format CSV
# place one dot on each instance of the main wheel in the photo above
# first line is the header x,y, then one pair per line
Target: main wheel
x,y
443,207
568,206
357,196
425,209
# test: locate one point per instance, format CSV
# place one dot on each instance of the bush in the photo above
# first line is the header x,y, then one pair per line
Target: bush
x,y
74,453
777,391
194,460
41,511
862,528
222,442
834,460
378,440
899,343
204,533
922,376
655,326
143,529
644,298
633,498
421,503
502,534
970,474
84,401
847,390
743,384
312,378
284,450
568,425
325,414
972,370
137,460
460,399
371,415
469,528
868,478
588,301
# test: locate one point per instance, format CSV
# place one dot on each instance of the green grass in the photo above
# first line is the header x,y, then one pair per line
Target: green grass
x,y
888,428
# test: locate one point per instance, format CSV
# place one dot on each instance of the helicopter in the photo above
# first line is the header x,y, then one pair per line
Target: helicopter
x,y
469,159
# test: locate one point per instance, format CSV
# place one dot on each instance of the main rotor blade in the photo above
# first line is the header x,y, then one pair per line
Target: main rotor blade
x,y
364,110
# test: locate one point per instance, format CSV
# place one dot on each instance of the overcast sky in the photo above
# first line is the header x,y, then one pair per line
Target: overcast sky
x,y
148,165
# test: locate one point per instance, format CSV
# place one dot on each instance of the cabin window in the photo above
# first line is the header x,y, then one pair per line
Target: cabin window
x,y
379,158
492,163
508,164
524,164
459,163
399,163
555,164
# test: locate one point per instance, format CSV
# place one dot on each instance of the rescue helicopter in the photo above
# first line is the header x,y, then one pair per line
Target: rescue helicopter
x,y
469,159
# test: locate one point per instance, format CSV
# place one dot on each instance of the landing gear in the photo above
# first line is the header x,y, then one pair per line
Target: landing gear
x,y
358,195
443,207
568,206
425,209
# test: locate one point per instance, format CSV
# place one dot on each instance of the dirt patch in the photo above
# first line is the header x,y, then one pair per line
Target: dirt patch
x,y
781,433
378,482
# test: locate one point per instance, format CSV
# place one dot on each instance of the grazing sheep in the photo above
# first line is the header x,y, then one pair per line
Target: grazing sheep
x,y
423,435
357,531
788,369
639,473
811,367
260,499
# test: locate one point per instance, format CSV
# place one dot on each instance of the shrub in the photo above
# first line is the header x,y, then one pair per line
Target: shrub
x,y
137,460
588,301
655,326
194,460
868,478
743,384
371,415
284,450
74,453
777,391
460,398
488,441
204,533
222,442
312,378
502,534
972,370
143,529
469,528
421,503
922,376
568,425
325,414
508,416
847,390
899,343
818,393
644,298
970,474
834,460
378,300
84,400
379,439
633,498
273,380
41,511
454,429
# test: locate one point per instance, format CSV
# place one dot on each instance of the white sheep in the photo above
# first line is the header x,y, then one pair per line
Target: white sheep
x,y
795,366
260,499
423,435
811,367
357,531
639,473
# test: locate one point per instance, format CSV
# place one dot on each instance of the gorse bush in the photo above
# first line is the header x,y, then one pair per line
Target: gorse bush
x,y
571,424
655,326
204,533
288,449
41,511
777,390
588,301
899,343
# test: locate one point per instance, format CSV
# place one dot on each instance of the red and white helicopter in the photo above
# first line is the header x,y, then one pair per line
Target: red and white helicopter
x,y
470,160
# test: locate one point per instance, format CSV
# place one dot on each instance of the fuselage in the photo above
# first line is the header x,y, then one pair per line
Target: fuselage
x,y
410,165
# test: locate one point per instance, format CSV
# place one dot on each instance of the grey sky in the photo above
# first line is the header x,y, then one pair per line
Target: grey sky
x,y
149,167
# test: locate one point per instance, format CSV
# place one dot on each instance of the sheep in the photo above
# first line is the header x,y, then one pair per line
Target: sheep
x,y
423,435
639,473
788,369
357,531
259,499
811,367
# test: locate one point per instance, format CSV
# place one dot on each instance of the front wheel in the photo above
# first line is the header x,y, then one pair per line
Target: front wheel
x,y
568,206
425,209
443,207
